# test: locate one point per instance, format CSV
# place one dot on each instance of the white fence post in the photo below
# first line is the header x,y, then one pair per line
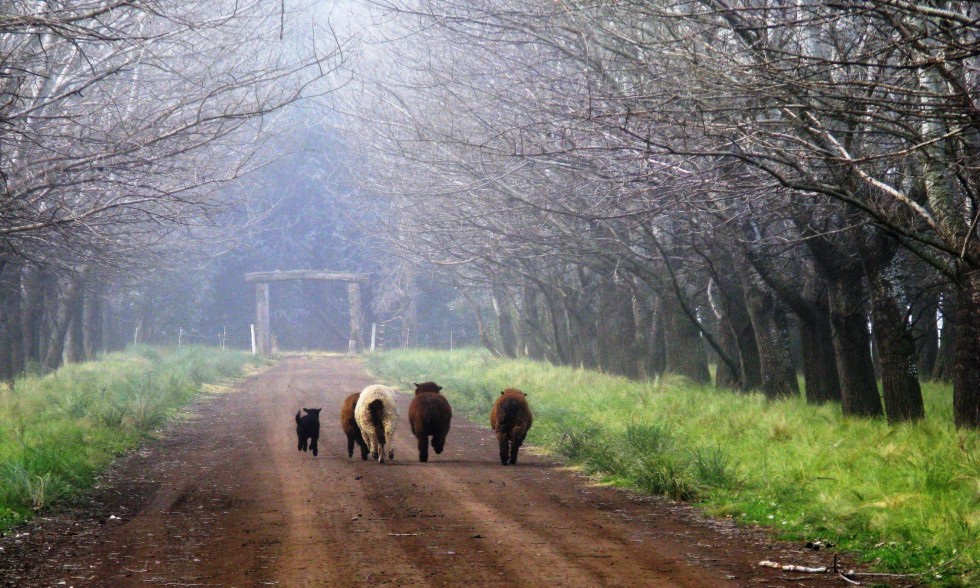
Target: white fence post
x,y
252,328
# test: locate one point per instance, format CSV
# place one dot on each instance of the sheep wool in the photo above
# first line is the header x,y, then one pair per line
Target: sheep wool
x,y
376,413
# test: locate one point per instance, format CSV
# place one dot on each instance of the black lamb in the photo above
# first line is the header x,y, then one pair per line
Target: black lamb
x,y
308,428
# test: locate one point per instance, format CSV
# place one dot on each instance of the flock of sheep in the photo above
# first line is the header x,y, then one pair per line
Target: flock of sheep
x,y
369,418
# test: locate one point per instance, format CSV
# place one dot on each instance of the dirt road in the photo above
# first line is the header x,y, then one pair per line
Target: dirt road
x,y
224,499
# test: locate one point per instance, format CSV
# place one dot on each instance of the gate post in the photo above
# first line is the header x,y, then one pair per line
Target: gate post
x,y
262,318
356,341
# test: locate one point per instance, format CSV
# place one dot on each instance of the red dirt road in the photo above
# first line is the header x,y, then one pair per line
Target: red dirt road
x,y
224,499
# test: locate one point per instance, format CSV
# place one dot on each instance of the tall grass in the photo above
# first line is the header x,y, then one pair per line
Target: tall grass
x,y
905,497
58,431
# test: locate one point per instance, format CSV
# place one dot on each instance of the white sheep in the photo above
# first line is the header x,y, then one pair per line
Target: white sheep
x,y
377,415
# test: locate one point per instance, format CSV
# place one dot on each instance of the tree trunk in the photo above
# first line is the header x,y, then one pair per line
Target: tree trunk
x,y
481,327
642,317
819,363
505,325
852,347
410,324
685,354
92,335
556,320
896,349
74,349
943,370
772,338
583,337
732,302
925,329
537,348
8,289
112,336
33,283
966,359
66,304
615,329
725,377
658,341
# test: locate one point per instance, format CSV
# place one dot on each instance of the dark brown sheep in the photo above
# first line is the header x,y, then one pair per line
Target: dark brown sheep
x,y
511,419
349,424
429,414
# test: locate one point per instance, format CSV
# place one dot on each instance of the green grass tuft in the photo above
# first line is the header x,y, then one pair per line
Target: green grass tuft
x,y
59,430
906,497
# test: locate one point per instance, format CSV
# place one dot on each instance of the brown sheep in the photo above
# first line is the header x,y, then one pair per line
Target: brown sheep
x,y
349,425
429,414
511,419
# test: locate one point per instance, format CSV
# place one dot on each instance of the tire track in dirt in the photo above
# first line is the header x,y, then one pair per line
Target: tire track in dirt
x,y
224,499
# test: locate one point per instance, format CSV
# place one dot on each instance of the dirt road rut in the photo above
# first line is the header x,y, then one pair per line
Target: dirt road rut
x,y
224,499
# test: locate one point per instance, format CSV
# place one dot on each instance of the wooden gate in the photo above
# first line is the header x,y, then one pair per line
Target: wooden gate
x,y
261,280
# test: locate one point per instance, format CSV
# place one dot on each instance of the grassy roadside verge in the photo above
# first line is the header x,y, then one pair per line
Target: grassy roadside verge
x,y
906,497
58,431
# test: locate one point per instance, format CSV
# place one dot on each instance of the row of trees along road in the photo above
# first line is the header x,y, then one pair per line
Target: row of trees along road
x,y
612,184
119,123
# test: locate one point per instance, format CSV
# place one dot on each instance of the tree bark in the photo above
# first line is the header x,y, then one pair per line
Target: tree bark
x,y
92,335
725,377
615,329
894,344
966,359
658,341
481,327
733,306
9,290
505,324
537,347
74,349
809,302
925,329
822,382
772,338
896,349
684,348
943,370
66,305
33,281
559,335
852,347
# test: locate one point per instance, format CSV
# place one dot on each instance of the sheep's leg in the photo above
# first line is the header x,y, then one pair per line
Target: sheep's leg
x,y
381,453
390,435
302,444
350,446
372,444
502,439
423,448
515,445
313,448
364,447
438,442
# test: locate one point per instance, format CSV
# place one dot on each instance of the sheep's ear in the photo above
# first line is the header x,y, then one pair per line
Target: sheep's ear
x,y
438,388
414,384
501,392
525,394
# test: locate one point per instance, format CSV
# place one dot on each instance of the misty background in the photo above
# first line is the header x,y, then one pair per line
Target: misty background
x,y
760,195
